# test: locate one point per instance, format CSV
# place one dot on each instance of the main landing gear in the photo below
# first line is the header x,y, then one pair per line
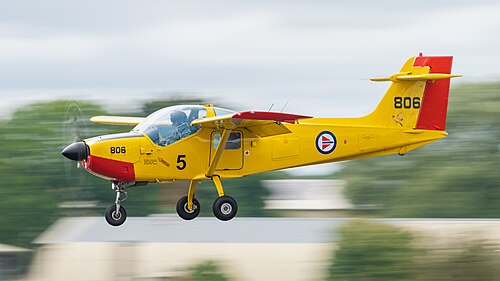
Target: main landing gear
x,y
224,208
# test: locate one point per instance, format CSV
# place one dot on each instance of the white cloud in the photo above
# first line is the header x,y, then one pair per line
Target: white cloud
x,y
49,49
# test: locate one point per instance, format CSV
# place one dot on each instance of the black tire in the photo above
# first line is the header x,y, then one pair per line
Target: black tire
x,y
115,218
183,211
225,208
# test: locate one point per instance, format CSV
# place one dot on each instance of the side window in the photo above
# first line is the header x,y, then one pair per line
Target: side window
x,y
233,142
195,114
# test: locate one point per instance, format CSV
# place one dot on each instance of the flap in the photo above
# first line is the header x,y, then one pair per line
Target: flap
x,y
117,120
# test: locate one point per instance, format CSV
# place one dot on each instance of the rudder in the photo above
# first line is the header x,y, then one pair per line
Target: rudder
x,y
432,115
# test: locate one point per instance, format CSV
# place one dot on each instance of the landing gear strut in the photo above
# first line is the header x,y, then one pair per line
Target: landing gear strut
x,y
188,207
115,214
225,207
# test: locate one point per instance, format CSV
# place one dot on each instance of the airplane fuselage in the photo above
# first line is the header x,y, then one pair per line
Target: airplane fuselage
x,y
134,157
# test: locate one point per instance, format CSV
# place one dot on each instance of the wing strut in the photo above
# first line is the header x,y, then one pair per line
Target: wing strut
x,y
218,152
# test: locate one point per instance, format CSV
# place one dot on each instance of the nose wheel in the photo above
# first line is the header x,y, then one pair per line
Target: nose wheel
x,y
114,216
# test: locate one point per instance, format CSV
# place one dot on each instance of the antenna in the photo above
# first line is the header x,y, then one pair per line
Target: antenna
x,y
285,105
271,107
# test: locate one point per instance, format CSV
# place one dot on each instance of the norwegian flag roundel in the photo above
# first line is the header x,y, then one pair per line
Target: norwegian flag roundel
x,y
326,142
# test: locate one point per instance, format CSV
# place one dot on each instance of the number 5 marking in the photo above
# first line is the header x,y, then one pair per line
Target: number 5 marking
x,y
182,163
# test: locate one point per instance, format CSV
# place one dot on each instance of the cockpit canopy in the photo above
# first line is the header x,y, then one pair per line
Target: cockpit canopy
x,y
173,123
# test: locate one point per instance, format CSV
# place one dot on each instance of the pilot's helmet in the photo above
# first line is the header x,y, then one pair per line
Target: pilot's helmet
x,y
178,117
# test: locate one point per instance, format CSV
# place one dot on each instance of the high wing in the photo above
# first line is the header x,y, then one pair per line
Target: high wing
x,y
117,120
262,123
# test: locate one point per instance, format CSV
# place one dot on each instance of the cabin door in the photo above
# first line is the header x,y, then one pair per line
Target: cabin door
x,y
232,156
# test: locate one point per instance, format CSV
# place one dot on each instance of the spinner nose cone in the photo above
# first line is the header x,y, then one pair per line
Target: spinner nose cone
x,y
77,151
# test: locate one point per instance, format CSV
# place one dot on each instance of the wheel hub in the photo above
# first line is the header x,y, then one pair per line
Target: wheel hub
x,y
226,208
116,215
187,210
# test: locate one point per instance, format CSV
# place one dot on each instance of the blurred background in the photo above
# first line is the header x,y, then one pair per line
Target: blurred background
x,y
431,214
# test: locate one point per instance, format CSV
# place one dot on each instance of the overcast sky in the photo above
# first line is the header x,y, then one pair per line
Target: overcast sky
x,y
250,54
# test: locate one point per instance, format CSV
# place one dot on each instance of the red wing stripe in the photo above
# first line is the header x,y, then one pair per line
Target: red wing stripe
x,y
265,115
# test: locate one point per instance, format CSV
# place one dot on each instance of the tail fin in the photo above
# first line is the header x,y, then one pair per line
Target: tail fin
x,y
418,95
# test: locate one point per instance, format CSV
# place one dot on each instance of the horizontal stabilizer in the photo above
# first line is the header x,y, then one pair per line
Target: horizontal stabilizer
x,y
117,120
415,77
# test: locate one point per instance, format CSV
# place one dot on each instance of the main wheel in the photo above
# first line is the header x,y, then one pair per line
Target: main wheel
x,y
182,208
225,208
115,218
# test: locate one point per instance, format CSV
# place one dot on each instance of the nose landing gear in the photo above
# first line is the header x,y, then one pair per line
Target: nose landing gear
x,y
115,214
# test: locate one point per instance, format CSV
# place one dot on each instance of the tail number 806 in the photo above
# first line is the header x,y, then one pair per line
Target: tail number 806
x,y
407,102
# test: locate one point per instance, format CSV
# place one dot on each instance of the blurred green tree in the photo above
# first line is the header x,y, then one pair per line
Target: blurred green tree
x,y
454,177
207,271
373,251
473,260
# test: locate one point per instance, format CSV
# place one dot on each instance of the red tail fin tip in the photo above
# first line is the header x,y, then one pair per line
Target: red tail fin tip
x,y
432,115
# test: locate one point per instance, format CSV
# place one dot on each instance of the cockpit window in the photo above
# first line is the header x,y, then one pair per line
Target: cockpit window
x,y
171,124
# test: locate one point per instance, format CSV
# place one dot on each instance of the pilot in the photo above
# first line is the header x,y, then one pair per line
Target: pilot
x,y
181,126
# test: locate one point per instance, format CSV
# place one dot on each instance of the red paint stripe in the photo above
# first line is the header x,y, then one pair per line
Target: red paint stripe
x,y
113,169
432,115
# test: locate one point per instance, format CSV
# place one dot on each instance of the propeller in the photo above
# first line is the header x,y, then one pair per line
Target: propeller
x,y
74,128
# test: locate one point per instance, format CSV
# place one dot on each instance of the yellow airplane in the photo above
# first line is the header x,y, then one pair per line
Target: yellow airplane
x,y
203,142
